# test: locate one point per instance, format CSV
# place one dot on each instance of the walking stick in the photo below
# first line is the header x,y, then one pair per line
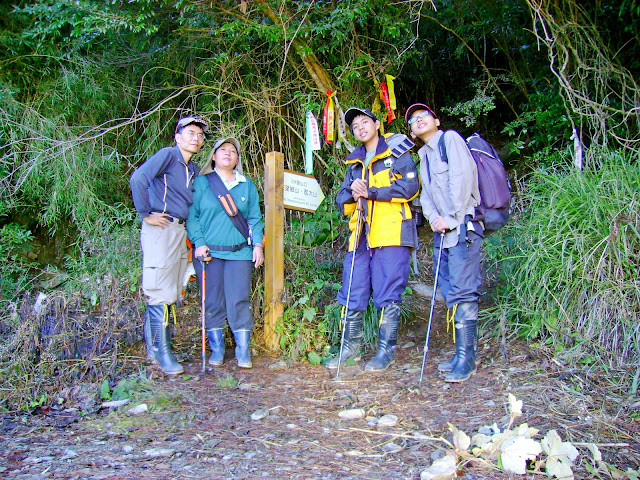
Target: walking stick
x,y
433,302
343,320
203,262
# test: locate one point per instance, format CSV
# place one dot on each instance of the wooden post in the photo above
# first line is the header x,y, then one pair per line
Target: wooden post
x,y
274,247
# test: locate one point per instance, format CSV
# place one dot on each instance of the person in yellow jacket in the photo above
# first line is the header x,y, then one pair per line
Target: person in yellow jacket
x,y
383,178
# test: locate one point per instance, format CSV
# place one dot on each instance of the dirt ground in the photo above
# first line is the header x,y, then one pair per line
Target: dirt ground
x,y
201,426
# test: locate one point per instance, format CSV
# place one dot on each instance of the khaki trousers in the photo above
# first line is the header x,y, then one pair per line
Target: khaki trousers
x,y
164,261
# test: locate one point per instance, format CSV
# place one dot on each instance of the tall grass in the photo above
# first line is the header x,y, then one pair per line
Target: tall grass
x,y
574,271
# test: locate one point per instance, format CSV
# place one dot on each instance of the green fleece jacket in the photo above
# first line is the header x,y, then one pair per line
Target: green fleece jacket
x,y
208,223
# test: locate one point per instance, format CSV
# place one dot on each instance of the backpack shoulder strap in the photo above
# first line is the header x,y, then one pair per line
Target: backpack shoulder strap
x,y
399,144
229,206
442,148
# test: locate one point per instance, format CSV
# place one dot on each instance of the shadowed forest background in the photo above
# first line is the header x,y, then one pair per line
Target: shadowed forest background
x,y
90,89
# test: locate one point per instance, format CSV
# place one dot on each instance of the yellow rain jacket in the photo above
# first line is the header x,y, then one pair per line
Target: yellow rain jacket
x,y
393,182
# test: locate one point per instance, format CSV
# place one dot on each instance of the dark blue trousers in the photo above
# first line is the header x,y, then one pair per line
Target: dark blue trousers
x,y
228,284
383,271
460,276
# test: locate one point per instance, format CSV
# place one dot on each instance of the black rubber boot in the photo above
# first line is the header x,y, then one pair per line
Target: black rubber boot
x,y
352,339
449,364
158,338
387,337
243,340
466,322
216,344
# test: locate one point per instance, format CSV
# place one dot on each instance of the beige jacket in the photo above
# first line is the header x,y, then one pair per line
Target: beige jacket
x,y
449,189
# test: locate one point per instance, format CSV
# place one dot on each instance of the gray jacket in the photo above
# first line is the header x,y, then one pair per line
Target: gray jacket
x,y
164,183
449,189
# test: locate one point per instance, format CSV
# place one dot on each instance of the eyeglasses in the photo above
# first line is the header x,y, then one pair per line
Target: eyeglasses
x,y
413,120
191,134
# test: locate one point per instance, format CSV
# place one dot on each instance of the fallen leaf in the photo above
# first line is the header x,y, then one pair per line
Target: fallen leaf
x,y
515,406
560,456
515,452
460,439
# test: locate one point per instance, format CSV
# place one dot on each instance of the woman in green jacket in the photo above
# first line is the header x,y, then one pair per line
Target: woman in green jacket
x,y
232,255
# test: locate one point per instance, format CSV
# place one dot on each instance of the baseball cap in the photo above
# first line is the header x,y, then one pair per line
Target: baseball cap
x,y
184,121
418,106
210,163
230,140
353,112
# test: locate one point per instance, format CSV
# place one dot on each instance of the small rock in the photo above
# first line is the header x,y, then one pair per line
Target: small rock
x,y
408,344
127,449
138,409
437,454
442,469
248,386
68,454
36,460
392,447
260,414
354,453
489,403
387,421
115,403
278,365
159,452
352,413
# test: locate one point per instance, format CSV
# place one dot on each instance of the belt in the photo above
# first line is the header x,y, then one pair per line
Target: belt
x,y
228,248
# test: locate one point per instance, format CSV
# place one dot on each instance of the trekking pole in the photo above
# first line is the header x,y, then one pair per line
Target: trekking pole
x,y
433,303
343,320
203,262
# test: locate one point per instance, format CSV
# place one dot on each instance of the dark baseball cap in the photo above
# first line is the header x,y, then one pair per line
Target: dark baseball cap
x,y
353,112
418,106
184,121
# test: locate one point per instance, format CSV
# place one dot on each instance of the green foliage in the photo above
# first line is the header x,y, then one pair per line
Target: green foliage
x,y
227,382
111,258
317,228
572,275
124,389
482,103
16,269
541,131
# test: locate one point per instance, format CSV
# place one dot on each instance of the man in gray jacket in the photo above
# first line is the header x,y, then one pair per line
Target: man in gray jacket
x,y
449,198
162,189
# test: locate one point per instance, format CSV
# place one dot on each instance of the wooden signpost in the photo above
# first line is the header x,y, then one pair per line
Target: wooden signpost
x,y
282,189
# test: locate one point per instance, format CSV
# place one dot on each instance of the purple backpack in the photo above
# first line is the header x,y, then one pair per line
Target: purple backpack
x,y
493,182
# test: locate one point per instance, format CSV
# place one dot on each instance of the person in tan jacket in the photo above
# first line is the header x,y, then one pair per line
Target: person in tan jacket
x,y
449,199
